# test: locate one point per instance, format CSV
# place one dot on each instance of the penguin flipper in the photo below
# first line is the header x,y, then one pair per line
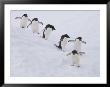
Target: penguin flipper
x,y
18,18
29,24
57,46
68,54
71,41
84,42
81,53
29,20
43,33
41,22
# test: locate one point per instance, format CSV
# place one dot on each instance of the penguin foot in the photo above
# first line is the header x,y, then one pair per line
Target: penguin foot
x,y
72,65
78,66
22,27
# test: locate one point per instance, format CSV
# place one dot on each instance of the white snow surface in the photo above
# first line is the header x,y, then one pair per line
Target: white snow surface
x,y
32,56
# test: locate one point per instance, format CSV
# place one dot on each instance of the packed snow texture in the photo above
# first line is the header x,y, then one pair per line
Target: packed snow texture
x,y
33,56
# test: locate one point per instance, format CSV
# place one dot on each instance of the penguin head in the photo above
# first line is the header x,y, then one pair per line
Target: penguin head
x,y
47,26
50,26
53,28
79,38
66,35
35,19
24,15
74,52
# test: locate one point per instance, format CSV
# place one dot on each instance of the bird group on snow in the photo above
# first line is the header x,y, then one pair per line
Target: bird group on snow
x,y
75,54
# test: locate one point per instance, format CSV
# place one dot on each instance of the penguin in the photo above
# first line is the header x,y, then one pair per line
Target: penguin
x,y
23,21
47,31
63,41
75,58
35,25
77,44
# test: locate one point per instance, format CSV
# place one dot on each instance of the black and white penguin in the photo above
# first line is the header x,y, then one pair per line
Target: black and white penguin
x,y
23,21
63,41
75,58
77,44
35,25
47,31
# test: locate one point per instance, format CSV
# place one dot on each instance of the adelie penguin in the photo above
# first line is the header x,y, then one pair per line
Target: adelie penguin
x,y
77,44
75,58
23,21
47,31
63,41
35,25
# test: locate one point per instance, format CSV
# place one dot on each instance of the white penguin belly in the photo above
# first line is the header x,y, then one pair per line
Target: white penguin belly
x,y
47,33
77,46
23,22
35,27
63,43
75,59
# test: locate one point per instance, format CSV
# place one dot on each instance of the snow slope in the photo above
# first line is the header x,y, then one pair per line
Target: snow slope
x,y
32,56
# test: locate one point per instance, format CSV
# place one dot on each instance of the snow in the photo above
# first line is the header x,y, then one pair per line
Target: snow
x,y
32,56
